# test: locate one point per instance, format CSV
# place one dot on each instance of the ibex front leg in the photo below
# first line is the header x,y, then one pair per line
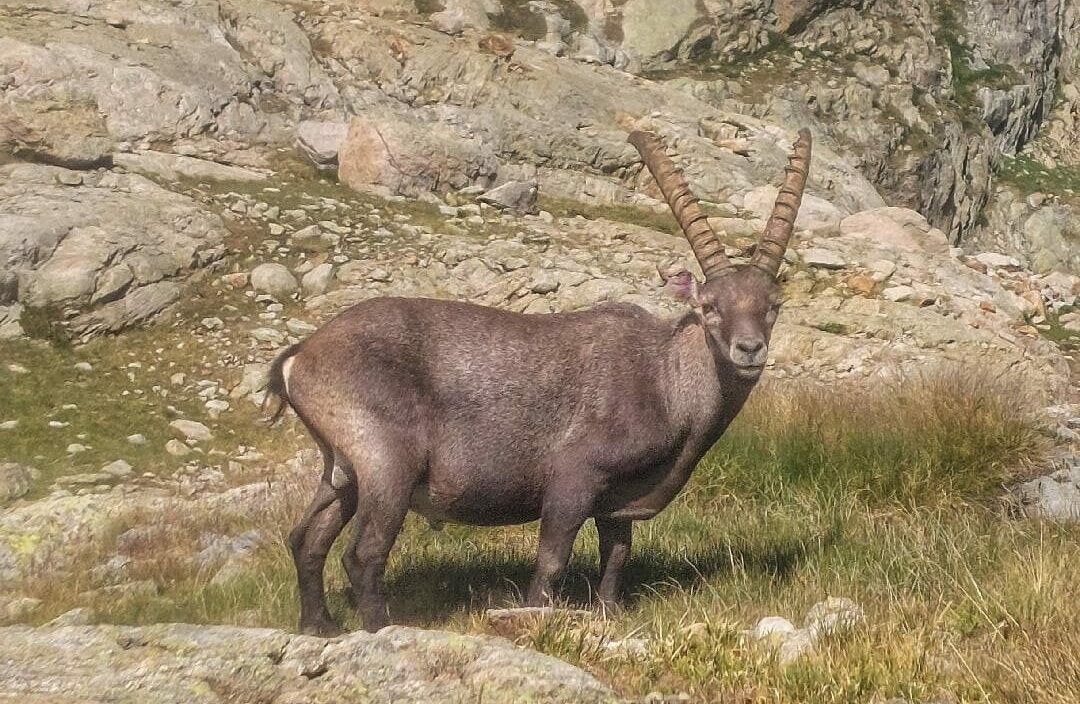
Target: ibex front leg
x,y
615,537
560,521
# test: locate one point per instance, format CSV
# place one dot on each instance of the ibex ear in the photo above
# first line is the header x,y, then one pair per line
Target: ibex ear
x,y
681,284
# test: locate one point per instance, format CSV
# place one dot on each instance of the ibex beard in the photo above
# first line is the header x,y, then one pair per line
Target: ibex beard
x,y
474,415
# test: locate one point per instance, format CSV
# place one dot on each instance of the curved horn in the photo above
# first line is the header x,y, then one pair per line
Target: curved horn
x,y
683,204
774,241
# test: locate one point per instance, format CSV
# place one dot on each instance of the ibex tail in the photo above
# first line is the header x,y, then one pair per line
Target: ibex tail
x,y
276,386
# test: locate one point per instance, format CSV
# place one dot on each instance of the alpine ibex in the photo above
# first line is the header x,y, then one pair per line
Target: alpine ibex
x,y
475,415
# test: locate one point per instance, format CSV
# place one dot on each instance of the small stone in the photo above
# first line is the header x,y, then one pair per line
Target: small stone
x,y
17,369
518,196
822,258
19,609
192,430
772,627
314,238
317,281
511,621
117,468
321,141
835,616
178,379
212,323
58,424
84,367
299,327
882,269
631,648
514,263
176,448
994,260
137,439
795,646
75,448
15,480
544,281
269,336
215,407
9,425
275,280
231,570
236,280
897,294
380,275
86,479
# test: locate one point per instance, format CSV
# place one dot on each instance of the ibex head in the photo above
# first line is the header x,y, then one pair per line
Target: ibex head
x,y
738,303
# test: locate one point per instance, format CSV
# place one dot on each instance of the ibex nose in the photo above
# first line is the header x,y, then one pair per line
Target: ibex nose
x,y
750,348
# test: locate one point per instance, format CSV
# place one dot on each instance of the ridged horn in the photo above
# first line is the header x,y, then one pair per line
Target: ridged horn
x,y
774,241
684,206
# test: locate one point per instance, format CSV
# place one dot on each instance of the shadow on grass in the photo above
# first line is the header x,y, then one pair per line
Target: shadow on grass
x,y
426,592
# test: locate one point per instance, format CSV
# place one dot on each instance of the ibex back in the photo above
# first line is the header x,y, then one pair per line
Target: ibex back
x,y
475,415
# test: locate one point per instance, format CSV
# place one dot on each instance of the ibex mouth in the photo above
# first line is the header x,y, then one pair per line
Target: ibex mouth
x,y
749,371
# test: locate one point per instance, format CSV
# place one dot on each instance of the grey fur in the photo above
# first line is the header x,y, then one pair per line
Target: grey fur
x,y
469,414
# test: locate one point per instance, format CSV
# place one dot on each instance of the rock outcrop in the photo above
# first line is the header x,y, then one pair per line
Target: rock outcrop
x,y
185,664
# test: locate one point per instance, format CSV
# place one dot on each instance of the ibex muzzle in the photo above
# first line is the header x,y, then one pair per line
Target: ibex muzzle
x,y
475,415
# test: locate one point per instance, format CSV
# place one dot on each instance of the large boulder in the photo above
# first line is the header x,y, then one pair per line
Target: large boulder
x,y
395,153
1055,496
320,141
655,30
185,664
814,213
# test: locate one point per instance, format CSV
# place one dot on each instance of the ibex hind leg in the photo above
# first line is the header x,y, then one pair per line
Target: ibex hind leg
x,y
384,487
310,542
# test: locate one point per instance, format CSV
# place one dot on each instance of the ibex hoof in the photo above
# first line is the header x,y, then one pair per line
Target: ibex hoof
x,y
322,629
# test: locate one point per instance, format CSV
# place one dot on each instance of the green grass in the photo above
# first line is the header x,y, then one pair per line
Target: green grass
x,y
885,493
661,221
518,18
1030,175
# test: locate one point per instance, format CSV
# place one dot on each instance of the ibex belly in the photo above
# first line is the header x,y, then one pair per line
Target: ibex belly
x,y
477,503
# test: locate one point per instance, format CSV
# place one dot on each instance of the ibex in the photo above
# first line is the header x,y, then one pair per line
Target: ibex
x,y
475,415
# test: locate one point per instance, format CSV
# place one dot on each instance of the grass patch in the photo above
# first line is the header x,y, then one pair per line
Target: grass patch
x,y
661,221
519,18
1030,175
832,328
880,492
913,441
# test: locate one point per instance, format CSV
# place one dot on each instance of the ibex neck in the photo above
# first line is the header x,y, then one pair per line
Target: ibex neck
x,y
703,392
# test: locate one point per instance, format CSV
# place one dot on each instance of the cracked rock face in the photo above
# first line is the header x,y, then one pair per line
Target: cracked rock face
x,y
83,79
108,244
186,664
